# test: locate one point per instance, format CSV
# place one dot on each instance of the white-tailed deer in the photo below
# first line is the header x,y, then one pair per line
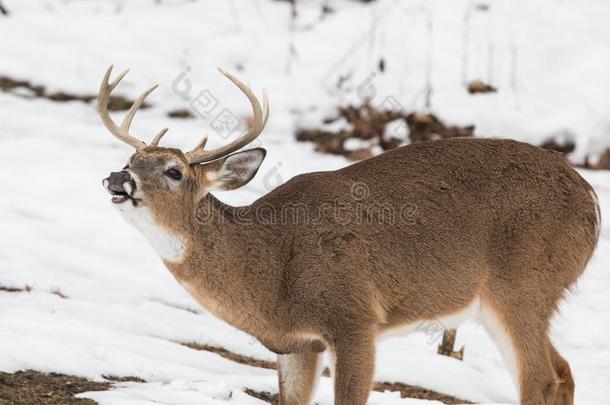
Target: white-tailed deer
x,y
437,231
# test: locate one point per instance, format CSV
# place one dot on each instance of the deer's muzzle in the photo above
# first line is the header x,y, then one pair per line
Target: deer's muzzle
x,y
121,185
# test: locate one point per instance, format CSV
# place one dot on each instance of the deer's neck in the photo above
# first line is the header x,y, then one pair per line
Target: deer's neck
x,y
226,265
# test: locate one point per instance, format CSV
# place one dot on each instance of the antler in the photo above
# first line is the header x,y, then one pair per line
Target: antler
x,y
122,131
199,155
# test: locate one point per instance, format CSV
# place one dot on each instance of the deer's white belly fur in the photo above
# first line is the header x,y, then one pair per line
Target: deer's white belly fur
x,y
169,246
435,327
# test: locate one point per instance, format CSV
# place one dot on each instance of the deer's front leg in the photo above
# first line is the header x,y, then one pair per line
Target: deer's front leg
x,y
354,368
298,375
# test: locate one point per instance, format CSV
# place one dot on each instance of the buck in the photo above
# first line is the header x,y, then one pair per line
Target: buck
x,y
498,231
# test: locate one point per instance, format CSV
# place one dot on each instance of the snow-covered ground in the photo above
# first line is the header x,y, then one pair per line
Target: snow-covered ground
x,y
124,313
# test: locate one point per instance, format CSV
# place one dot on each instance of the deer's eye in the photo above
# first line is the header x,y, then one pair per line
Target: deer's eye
x,y
173,173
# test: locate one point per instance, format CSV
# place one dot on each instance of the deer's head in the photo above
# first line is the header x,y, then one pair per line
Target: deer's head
x,y
160,186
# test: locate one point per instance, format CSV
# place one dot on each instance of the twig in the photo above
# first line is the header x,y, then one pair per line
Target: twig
x,y
292,50
344,57
514,82
490,62
261,14
3,10
446,348
465,43
429,51
235,14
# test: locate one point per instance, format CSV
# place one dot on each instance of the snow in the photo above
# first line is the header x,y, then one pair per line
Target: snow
x,y
124,313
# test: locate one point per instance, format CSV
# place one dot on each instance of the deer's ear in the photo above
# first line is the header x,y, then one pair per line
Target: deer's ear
x,y
235,170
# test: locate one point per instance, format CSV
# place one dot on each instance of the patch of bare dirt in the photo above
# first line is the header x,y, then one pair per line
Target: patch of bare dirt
x,y
32,387
409,391
238,358
406,391
263,396
180,113
27,288
116,379
10,85
480,87
368,125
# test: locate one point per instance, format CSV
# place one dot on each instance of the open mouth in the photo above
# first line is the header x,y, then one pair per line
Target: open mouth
x,y
120,197
121,186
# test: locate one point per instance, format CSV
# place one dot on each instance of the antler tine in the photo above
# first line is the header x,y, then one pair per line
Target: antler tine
x,y
158,136
202,142
126,123
116,81
199,155
265,106
121,132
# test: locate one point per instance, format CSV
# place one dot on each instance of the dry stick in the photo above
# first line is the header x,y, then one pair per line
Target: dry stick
x,y
325,9
465,44
377,42
490,62
513,72
448,343
292,52
372,34
429,33
356,45
261,15
3,9
235,14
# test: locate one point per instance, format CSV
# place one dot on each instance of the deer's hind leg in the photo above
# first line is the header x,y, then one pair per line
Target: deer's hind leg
x,y
565,390
298,376
521,335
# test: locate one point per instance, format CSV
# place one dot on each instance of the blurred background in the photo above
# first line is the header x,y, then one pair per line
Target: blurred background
x,y
83,295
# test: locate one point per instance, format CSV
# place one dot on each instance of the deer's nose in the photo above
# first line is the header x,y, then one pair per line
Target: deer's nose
x,y
119,182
